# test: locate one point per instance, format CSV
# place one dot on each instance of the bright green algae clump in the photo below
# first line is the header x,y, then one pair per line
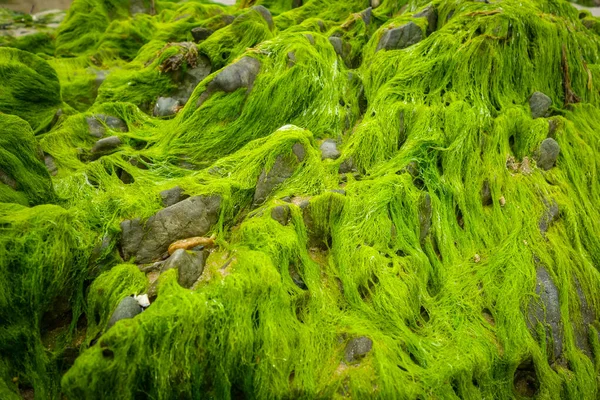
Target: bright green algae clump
x,y
434,236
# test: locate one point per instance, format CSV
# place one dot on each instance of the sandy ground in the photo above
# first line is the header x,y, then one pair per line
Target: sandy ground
x,y
41,5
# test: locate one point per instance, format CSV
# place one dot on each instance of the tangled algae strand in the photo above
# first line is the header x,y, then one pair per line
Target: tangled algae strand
x,y
448,248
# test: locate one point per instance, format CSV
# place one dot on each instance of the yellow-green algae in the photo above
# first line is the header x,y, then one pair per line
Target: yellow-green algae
x,y
446,309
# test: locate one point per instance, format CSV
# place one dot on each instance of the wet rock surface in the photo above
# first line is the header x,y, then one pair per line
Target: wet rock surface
x,y
283,168
99,123
401,37
127,308
545,310
548,154
172,196
329,150
357,348
539,104
189,265
149,241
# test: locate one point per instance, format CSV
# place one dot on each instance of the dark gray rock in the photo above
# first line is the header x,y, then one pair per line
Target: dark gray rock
x,y
550,215
357,348
297,3
341,48
430,14
98,123
425,215
149,241
401,37
546,311
50,165
588,316
281,214
547,154
339,191
539,104
200,33
347,166
172,196
486,194
188,79
106,145
296,278
127,308
282,169
291,59
166,106
266,14
366,15
329,150
189,265
310,38
233,77
299,151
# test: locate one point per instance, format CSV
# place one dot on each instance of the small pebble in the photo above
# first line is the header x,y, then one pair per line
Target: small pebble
x,y
476,258
502,201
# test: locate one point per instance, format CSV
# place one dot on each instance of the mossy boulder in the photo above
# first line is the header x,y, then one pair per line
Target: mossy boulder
x,y
24,178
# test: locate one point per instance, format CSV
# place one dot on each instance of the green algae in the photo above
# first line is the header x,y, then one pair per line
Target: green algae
x,y
444,297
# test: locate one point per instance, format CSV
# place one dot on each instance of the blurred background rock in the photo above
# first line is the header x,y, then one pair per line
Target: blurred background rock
x,y
34,6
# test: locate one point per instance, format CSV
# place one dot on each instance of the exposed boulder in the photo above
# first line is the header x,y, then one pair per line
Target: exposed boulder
x,y
172,196
545,310
401,37
539,104
189,265
187,79
127,308
149,241
357,348
547,154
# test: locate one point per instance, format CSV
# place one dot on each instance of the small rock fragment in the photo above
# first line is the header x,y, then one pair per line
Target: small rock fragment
x,y
172,196
502,201
539,104
106,145
281,214
233,77
165,107
401,37
476,258
329,150
98,123
547,154
375,3
486,194
357,348
50,165
189,264
127,308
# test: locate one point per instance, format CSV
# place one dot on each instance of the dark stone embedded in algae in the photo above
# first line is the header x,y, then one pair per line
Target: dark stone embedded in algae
x,y
309,199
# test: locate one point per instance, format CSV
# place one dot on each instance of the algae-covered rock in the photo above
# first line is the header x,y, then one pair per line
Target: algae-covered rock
x,y
23,175
172,196
98,123
148,241
357,348
546,311
30,88
282,169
